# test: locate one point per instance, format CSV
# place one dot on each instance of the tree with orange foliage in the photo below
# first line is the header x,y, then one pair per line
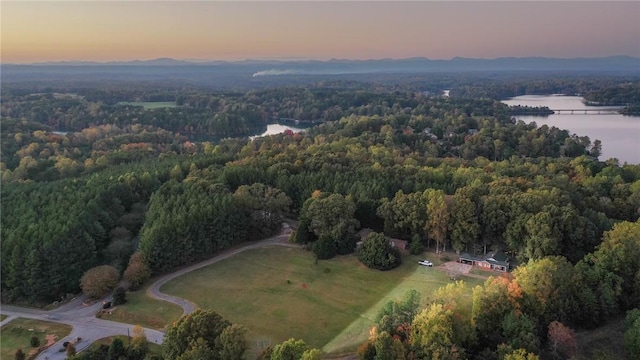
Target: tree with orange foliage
x,y
137,271
491,304
562,341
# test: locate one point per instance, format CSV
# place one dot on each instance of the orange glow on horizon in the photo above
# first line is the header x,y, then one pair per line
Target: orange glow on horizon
x,y
118,31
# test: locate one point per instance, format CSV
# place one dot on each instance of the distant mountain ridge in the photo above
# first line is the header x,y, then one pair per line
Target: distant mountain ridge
x,y
519,62
251,72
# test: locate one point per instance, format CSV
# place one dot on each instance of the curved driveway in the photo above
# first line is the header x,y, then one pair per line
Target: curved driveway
x,y
89,328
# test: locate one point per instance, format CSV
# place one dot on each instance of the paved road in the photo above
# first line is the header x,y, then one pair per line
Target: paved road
x,y
89,328
85,325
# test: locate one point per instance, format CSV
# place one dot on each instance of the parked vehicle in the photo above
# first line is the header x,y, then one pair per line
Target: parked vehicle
x,y
425,263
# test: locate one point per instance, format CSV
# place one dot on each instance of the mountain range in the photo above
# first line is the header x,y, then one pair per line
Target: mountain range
x,y
417,64
261,72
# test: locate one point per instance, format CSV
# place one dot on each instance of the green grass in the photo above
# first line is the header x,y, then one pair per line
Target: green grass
x,y
278,293
145,311
423,279
17,334
2,317
483,272
148,105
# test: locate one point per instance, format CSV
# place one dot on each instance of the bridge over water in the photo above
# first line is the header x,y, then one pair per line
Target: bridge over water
x,y
586,111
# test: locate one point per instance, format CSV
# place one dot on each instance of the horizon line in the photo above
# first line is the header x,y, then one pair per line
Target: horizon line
x,y
190,61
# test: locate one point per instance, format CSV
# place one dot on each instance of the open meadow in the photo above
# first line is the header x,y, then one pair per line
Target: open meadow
x,y
149,105
17,335
279,293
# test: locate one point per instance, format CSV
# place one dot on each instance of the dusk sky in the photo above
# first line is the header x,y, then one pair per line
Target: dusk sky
x,y
110,30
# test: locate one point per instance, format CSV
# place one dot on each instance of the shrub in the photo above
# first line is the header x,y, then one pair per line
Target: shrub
x,y
71,350
324,247
34,341
119,296
20,355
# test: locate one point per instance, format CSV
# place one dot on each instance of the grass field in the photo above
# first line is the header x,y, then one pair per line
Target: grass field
x,y
145,311
17,334
278,293
148,105
2,317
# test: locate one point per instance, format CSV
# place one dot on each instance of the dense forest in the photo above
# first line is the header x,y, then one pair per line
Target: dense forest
x,y
87,182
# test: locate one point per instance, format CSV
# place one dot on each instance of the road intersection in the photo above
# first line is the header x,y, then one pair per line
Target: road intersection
x,y
88,328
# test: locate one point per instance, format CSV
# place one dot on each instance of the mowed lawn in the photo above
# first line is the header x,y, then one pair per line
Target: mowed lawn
x,y
279,293
425,280
17,335
145,311
149,105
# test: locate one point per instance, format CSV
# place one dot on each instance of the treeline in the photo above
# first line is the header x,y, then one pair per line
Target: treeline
x,y
42,155
52,232
504,88
530,110
623,94
627,94
190,220
75,113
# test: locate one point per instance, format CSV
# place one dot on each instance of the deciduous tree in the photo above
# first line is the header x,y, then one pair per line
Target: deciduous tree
x,y
377,253
201,324
562,341
98,281
437,218
291,349
432,334
232,342
137,271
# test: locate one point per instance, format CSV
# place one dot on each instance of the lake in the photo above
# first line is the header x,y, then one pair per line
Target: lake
x,y
273,129
620,134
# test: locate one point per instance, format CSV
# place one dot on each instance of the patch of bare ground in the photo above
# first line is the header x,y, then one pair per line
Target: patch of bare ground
x,y
455,270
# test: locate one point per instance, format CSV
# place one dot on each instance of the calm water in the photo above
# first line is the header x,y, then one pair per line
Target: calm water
x,y
620,135
273,129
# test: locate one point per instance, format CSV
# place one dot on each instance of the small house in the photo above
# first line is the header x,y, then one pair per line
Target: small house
x,y
496,260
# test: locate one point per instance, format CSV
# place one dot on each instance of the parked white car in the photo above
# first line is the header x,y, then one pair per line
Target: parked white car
x,y
425,263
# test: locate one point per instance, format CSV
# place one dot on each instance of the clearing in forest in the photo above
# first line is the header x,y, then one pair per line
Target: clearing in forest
x,y
279,293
